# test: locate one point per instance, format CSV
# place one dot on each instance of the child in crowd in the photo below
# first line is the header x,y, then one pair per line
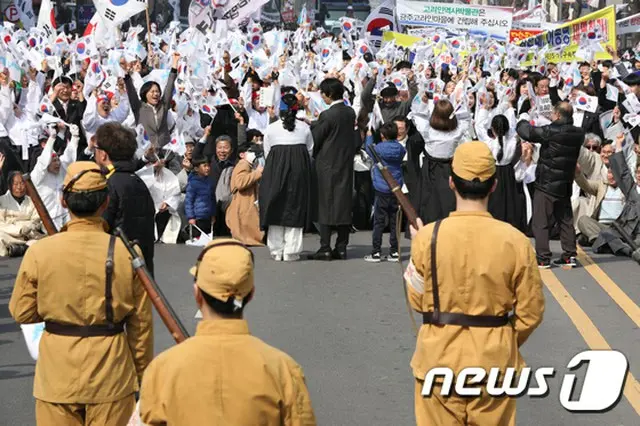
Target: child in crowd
x,y
200,199
385,205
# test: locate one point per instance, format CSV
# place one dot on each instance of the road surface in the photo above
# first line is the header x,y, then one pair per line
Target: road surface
x,y
346,323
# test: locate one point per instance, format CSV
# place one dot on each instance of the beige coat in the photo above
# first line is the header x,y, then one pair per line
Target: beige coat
x,y
62,279
225,376
242,215
485,267
596,189
593,169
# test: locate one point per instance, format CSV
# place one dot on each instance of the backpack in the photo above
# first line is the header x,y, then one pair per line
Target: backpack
x,y
223,189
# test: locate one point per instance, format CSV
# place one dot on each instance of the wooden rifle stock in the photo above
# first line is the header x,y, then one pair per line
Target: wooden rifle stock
x,y
32,192
158,299
396,189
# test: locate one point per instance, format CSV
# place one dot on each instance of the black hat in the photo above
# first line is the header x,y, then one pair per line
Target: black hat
x,y
632,79
63,80
389,92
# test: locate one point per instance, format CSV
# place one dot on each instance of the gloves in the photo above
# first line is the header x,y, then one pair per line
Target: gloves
x,y
52,130
75,130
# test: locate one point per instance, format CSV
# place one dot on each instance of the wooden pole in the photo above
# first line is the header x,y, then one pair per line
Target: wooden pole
x,y
146,11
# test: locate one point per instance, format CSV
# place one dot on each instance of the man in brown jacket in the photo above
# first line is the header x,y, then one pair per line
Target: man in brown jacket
x,y
80,282
467,273
223,375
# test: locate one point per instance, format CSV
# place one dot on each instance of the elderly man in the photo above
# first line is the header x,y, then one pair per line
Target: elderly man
x,y
592,168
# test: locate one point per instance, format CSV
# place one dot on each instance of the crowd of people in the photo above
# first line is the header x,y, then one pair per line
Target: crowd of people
x,y
274,137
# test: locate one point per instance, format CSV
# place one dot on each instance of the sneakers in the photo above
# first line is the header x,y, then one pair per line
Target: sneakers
x,y
393,257
373,258
544,263
565,262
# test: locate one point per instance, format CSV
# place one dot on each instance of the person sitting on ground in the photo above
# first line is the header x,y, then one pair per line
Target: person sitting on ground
x,y
20,224
200,199
262,385
608,239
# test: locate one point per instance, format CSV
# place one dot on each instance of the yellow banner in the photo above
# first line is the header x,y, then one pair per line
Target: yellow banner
x,y
600,25
402,40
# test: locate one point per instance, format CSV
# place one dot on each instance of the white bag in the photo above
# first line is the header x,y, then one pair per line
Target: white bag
x,y
32,335
202,240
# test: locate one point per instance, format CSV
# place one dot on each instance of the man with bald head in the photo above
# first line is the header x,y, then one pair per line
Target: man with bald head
x,y
560,144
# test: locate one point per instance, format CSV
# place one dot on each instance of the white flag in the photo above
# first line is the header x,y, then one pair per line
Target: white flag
x,y
25,11
585,102
47,19
236,12
115,13
612,93
380,18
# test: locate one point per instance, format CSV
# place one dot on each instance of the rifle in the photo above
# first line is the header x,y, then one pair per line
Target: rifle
x,y
158,299
32,192
396,189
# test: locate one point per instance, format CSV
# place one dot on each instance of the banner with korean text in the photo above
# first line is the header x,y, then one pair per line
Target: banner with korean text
x,y
629,25
516,36
482,20
563,42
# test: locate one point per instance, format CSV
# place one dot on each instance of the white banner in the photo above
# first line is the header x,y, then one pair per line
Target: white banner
x,y
484,20
628,25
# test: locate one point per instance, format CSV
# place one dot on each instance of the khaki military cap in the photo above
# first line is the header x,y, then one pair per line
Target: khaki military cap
x,y
84,176
473,160
224,270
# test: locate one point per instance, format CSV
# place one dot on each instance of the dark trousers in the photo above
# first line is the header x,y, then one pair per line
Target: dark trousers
x,y
162,219
546,208
341,242
385,207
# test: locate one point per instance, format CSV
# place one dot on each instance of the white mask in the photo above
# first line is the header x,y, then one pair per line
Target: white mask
x,y
250,157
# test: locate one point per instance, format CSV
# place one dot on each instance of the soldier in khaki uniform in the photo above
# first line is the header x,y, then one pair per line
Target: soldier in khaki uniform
x,y
80,282
467,273
223,375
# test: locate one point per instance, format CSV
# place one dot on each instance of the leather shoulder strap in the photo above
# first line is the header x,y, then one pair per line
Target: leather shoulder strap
x,y
434,272
109,265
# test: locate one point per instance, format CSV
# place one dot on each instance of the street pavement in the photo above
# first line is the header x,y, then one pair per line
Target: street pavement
x,y
346,323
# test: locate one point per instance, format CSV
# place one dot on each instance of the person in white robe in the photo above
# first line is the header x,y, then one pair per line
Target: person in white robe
x,y
165,191
49,171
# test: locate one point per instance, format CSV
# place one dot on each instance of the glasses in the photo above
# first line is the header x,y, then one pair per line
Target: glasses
x,y
591,147
75,179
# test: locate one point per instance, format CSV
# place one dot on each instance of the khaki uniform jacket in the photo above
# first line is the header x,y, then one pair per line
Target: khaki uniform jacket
x,y
62,279
225,376
485,267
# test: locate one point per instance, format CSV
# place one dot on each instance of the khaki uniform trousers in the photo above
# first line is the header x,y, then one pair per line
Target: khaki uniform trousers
x,y
115,413
485,410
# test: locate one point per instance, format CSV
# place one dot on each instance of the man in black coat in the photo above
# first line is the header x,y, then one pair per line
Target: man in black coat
x,y
130,203
334,147
560,144
70,111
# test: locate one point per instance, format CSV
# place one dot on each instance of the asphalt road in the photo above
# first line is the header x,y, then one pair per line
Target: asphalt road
x,y
346,323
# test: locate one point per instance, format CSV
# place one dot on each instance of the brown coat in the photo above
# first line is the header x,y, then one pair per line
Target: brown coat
x,y
242,215
225,376
62,279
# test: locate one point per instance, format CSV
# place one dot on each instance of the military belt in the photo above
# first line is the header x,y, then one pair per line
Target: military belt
x,y
84,330
448,318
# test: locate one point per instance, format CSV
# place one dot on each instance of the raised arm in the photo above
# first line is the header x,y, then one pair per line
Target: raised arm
x,y
531,133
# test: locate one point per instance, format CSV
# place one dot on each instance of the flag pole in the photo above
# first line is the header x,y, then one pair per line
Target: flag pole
x,y
146,11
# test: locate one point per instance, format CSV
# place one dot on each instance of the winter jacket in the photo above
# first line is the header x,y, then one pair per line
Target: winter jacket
x,y
391,153
200,200
131,207
560,147
389,112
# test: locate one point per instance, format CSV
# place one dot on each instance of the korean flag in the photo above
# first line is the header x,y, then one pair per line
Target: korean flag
x,y
115,12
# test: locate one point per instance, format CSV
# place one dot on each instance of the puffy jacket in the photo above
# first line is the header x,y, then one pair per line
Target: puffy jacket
x,y
391,153
131,207
560,147
200,200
